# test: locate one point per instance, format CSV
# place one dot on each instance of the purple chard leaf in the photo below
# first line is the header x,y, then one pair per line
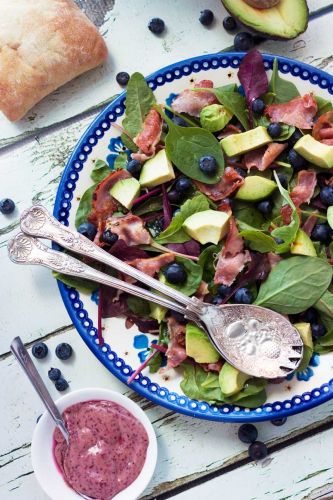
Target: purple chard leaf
x,y
252,76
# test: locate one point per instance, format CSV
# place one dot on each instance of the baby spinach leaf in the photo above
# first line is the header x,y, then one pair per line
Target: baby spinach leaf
x,y
259,241
100,170
128,143
138,306
85,205
80,284
323,104
283,90
252,395
287,132
206,261
120,161
324,344
156,362
233,102
139,100
193,280
325,304
163,338
174,232
286,233
246,212
193,384
150,205
295,284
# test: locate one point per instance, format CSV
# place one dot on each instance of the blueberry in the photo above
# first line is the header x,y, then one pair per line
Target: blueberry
x,y
54,374
208,165
122,78
279,241
243,42
279,421
297,161
283,180
134,167
165,127
206,17
240,171
217,300
178,120
258,106
326,195
61,385
224,290
247,433
40,350
322,233
64,351
297,135
88,230
178,316
175,273
265,207
174,196
183,184
229,23
7,206
317,330
156,25
258,450
310,315
109,237
243,296
274,130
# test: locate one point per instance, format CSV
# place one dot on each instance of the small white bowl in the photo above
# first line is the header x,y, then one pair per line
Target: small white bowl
x,y
47,473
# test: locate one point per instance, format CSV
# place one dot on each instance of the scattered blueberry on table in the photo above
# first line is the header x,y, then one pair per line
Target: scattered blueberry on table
x,y
206,17
54,374
122,78
229,23
175,273
7,206
279,421
243,41
109,237
88,230
61,384
274,130
156,25
208,165
258,450
40,350
64,351
247,433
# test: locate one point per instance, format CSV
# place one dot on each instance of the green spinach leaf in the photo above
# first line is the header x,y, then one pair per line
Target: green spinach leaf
x,y
100,170
251,396
207,262
193,280
325,304
248,214
139,100
283,90
234,102
128,143
323,104
153,204
120,162
85,205
259,241
163,338
295,284
286,233
193,384
82,285
138,306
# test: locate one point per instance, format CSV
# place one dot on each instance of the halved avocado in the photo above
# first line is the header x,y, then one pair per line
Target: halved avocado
x,y
284,21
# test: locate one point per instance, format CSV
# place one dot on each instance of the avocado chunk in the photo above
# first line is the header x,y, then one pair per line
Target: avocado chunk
x,y
302,245
231,380
284,21
198,345
255,188
157,312
209,226
157,170
315,152
237,144
125,191
304,330
214,117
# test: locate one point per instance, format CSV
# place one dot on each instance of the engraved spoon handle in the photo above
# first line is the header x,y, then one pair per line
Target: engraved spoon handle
x,y
24,249
22,356
37,221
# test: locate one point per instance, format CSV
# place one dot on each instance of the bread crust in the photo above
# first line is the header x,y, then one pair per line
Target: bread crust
x,y
43,45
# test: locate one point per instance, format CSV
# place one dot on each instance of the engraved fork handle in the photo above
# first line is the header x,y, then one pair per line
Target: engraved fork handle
x,y
24,249
37,221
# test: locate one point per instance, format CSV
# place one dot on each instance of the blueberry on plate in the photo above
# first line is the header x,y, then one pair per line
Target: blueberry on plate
x,y
175,273
309,316
174,196
296,161
208,165
258,106
240,171
247,433
243,296
317,330
61,384
64,351
217,300
326,195
122,78
322,233
274,130
54,374
243,42
7,206
156,25
283,180
279,241
40,350
206,17
279,421
134,167
258,450
229,23
265,207
297,135
88,230
109,237
178,120
183,184
223,290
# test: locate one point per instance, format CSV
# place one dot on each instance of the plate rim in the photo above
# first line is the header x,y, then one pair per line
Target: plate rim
x,y
225,412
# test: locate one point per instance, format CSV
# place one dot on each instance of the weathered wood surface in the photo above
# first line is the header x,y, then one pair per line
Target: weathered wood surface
x,y
190,451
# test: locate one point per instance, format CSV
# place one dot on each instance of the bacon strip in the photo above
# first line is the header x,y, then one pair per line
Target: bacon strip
x,y
232,259
149,136
263,158
192,102
176,352
323,128
302,193
152,265
129,228
229,182
298,112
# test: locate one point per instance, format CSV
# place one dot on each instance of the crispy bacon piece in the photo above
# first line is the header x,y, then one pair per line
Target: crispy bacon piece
x,y
229,182
310,223
130,229
192,102
298,112
176,352
263,158
302,193
103,205
232,259
152,265
149,137
323,128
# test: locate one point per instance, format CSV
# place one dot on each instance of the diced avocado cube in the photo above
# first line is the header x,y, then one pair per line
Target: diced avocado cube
x,y
157,312
231,380
304,330
314,151
125,191
238,144
209,226
198,345
255,188
157,170
302,245
214,117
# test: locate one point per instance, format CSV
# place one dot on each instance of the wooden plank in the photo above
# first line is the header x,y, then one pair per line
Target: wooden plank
x,y
184,37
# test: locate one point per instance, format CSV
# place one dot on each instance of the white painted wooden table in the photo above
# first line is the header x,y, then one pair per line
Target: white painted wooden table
x,y
196,459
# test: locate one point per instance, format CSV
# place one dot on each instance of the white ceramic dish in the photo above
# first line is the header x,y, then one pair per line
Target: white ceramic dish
x,y
47,473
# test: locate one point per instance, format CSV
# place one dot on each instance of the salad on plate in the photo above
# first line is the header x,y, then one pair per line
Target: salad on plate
x,y
224,193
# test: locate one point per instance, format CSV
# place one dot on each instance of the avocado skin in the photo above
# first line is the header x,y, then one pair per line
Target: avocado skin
x,y
262,32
